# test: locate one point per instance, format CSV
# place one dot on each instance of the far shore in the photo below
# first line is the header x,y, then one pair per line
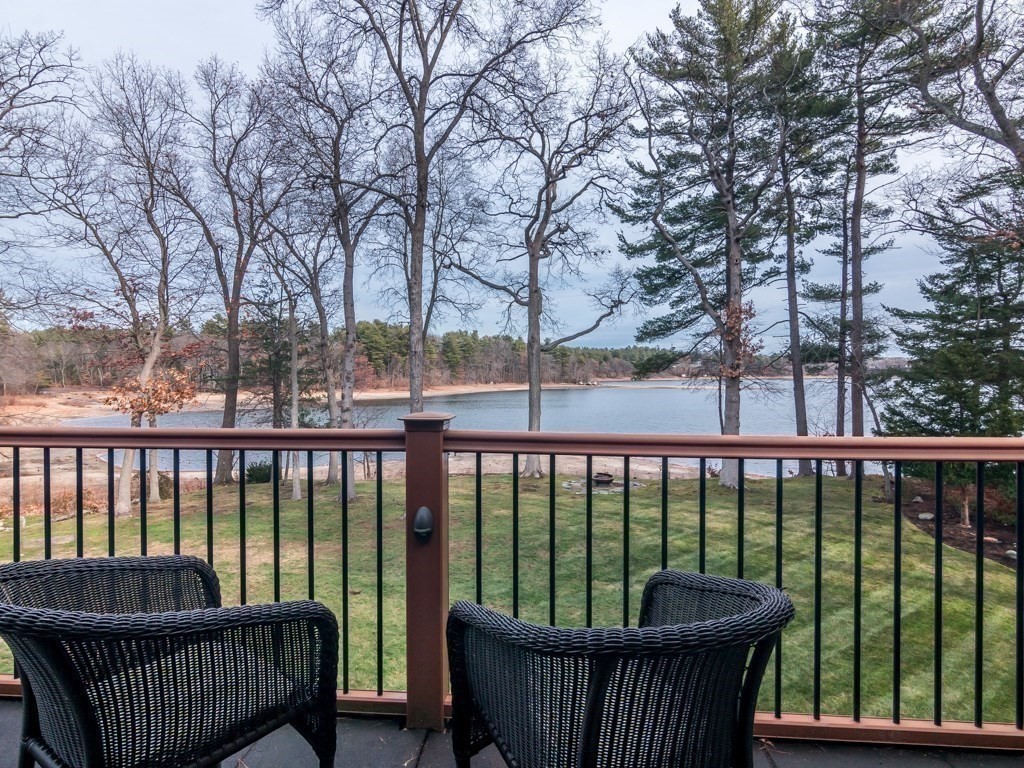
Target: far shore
x,y
60,405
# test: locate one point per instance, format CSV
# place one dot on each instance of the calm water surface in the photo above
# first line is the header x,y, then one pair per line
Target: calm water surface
x,y
658,407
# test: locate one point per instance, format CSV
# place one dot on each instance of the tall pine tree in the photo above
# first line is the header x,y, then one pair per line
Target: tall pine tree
x,y
710,176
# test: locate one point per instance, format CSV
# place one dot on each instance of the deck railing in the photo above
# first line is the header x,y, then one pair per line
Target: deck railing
x,y
899,638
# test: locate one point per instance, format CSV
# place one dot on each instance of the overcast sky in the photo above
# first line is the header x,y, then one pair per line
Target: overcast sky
x,y
180,33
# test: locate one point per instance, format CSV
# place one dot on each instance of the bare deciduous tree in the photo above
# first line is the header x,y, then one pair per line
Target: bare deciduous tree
x,y
326,84
38,77
231,187
453,223
556,130
440,55
106,196
965,63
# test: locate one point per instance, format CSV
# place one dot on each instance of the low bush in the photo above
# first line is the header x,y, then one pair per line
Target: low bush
x,y
258,472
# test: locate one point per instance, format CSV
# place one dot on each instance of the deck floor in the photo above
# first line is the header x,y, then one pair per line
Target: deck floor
x,y
376,743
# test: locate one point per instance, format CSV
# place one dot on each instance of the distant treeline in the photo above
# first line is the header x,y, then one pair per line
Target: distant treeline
x,y
91,356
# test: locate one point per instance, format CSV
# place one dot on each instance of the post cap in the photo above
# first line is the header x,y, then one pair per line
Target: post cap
x,y
426,421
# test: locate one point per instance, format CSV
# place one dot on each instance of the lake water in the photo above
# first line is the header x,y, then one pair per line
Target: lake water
x,y
658,407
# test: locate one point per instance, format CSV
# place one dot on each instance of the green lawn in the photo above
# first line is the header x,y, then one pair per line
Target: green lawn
x,y
645,555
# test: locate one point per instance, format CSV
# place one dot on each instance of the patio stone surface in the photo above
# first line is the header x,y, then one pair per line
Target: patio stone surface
x,y
381,743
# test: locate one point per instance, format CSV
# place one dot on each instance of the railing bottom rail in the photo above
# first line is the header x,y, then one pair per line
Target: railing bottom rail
x,y
879,730
869,730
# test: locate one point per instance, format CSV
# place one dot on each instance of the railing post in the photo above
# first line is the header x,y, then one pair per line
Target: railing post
x,y
426,574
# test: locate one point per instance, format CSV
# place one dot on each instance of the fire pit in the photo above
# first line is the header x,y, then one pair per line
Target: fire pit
x,y
602,478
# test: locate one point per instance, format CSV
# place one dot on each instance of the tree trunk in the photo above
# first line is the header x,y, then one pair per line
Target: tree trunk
x,y
293,342
348,362
534,309
732,351
154,468
841,342
886,474
856,269
330,381
965,508
225,458
123,505
415,289
414,274
795,354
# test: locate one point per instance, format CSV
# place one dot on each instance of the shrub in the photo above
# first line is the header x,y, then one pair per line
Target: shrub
x,y
258,472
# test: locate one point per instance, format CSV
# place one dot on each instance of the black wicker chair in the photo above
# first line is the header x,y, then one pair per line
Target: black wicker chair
x,y
679,690
131,663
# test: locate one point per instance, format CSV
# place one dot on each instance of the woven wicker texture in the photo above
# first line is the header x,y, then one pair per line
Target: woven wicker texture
x,y
679,690
131,662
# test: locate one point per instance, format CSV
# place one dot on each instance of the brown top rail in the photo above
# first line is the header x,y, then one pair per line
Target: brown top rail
x,y
201,439
739,447
1010,449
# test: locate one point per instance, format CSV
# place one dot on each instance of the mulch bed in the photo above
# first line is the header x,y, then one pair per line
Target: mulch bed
x,y
954,534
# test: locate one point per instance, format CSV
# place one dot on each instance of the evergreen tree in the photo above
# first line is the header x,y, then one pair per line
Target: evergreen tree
x,y
966,372
710,176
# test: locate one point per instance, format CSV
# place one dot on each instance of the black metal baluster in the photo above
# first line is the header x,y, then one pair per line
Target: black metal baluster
x,y
209,506
515,535
310,530
625,541
111,510
740,504
47,507
702,514
380,574
818,521
16,501
16,517
275,481
979,594
344,571
937,706
778,581
241,527
897,592
79,506
479,532
1020,596
551,540
143,506
858,575
590,542
176,512
664,512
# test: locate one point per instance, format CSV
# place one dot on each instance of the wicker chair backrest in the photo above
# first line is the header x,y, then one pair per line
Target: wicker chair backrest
x,y
31,592
678,690
611,710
